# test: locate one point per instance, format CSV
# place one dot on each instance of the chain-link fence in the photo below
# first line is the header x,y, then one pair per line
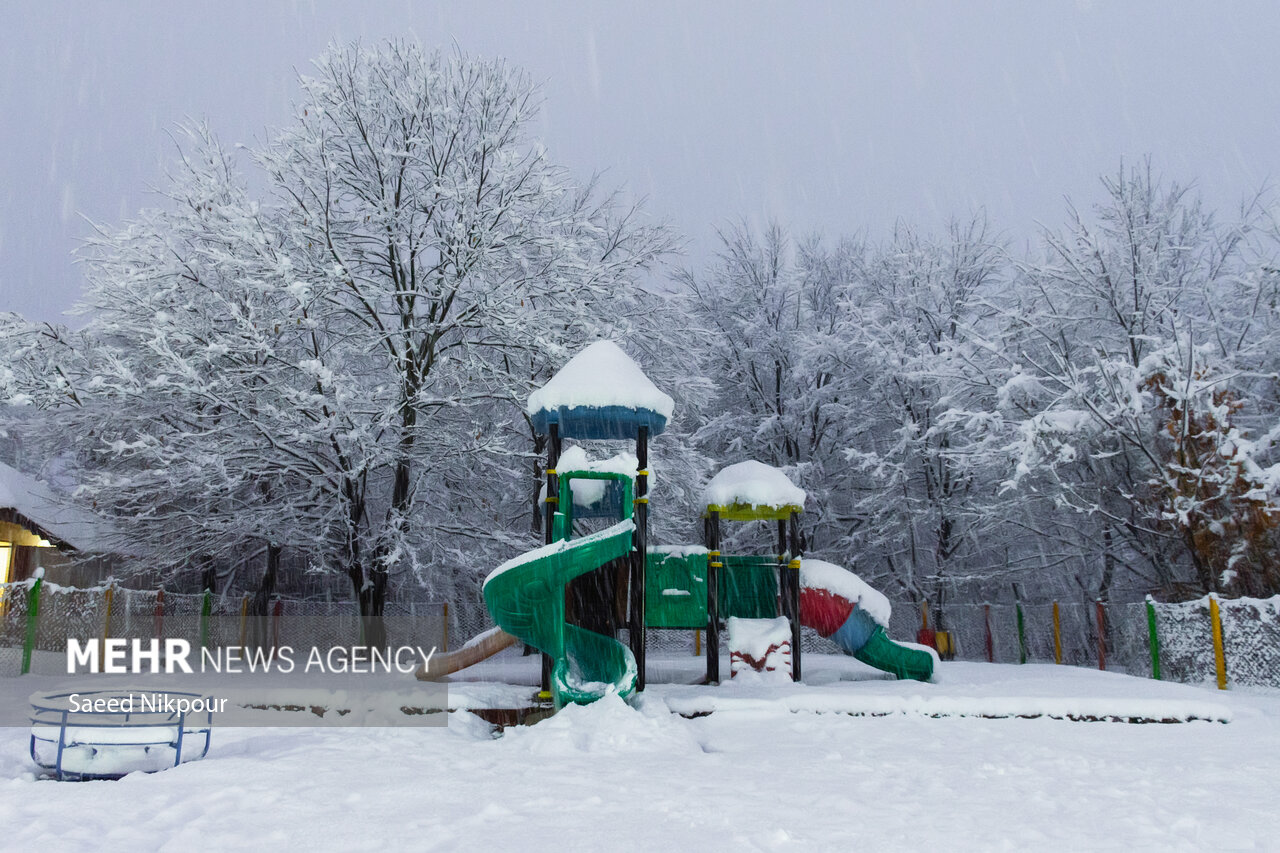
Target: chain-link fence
x,y
36,620
1114,636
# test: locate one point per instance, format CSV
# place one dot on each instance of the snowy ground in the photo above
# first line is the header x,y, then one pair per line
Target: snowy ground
x,y
753,775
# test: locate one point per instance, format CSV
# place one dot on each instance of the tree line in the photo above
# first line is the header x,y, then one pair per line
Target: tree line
x,y
323,344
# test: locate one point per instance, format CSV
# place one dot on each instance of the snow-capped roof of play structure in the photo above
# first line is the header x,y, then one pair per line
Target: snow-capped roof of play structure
x,y
752,483
55,517
819,574
600,393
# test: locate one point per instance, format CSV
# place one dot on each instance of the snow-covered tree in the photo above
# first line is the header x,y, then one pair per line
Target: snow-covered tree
x,y
339,363
1134,321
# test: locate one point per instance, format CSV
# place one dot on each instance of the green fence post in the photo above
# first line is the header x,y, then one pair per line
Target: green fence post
x,y
1153,638
1022,636
33,619
205,609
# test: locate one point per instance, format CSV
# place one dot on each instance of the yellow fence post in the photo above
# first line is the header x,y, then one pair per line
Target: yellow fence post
x,y
1057,636
697,643
1219,658
244,620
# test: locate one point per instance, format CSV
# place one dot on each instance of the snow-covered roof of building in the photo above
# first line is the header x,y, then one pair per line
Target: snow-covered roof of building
x,y
600,393
752,484
38,507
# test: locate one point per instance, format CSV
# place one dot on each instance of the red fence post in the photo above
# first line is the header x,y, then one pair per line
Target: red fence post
x,y
159,614
1102,636
991,644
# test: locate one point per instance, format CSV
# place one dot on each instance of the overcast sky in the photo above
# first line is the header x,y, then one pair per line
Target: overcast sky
x,y
841,117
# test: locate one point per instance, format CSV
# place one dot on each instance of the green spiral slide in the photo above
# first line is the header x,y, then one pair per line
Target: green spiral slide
x,y
525,596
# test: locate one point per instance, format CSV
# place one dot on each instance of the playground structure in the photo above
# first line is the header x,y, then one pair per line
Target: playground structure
x,y
107,734
570,598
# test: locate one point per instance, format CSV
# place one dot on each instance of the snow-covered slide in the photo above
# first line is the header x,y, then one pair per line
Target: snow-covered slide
x,y
838,604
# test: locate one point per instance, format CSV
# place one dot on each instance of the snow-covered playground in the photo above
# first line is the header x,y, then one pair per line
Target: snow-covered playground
x,y
679,428
775,767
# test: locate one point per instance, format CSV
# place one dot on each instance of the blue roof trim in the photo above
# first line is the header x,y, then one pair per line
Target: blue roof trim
x,y
599,422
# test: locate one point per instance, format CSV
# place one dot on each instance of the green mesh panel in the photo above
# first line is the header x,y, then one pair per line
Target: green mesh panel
x,y
665,577
749,587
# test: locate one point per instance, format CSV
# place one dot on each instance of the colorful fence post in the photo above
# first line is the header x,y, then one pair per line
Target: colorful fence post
x,y
244,619
1022,634
1219,657
275,625
1153,638
159,614
206,607
991,643
106,629
1102,634
1057,636
33,620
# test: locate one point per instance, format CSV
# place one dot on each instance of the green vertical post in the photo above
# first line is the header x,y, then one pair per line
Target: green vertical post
x,y
1022,635
33,619
1153,638
205,610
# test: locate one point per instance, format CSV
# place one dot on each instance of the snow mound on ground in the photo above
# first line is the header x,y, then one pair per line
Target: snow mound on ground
x,y
601,375
608,726
754,484
819,574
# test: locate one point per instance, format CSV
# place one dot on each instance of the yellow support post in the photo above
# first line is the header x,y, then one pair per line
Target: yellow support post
x,y
106,628
1219,657
924,615
697,643
244,620
1057,636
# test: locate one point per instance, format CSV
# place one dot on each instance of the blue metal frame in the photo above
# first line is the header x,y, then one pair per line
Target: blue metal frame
x,y
57,704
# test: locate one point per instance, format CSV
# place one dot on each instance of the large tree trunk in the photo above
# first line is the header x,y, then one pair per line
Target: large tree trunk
x,y
262,598
371,594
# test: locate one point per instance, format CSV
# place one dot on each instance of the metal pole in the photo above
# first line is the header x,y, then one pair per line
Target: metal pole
x,y
639,553
713,597
793,594
553,502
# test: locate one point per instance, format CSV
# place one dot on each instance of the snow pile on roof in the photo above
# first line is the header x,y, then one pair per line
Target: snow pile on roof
x,y
56,517
601,375
819,574
754,484
678,551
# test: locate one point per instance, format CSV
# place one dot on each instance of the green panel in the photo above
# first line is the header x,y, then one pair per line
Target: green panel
x,y
749,587
669,574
